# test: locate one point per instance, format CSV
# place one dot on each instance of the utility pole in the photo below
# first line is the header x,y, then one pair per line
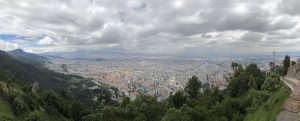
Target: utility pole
x,y
274,55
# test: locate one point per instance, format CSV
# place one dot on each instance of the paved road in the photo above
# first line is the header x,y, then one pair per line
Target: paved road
x,y
291,106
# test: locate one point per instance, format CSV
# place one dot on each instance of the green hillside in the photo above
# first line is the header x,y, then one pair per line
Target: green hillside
x,y
271,108
5,108
11,68
14,70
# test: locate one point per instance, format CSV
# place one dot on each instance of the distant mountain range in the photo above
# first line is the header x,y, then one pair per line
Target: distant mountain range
x,y
27,57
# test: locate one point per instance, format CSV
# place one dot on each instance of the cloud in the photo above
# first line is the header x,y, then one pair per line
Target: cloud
x,y
7,46
250,36
291,7
46,41
156,26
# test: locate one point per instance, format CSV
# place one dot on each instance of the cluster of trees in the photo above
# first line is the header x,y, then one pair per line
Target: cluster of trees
x,y
286,64
282,69
248,88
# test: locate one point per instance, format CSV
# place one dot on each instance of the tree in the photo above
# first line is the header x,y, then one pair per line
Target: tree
x,y
253,69
37,116
271,83
74,110
252,82
258,75
125,102
52,102
272,66
5,117
239,84
105,97
279,70
198,113
92,117
192,88
149,107
178,99
175,115
109,114
216,95
234,65
239,69
19,106
293,63
286,64
237,117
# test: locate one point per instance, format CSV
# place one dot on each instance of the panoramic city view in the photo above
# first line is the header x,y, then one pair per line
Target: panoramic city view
x,y
158,60
157,76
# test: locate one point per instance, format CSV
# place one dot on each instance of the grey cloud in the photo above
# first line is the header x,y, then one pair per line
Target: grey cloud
x,y
250,36
291,7
152,26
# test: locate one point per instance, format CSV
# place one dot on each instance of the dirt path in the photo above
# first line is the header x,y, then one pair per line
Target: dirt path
x,y
291,106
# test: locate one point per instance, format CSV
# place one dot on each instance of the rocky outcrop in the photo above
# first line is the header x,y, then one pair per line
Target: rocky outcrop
x,y
294,71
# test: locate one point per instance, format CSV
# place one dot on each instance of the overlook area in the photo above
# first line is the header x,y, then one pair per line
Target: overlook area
x,y
250,94
149,60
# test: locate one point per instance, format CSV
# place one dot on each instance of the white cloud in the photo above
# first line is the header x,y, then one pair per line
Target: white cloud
x,y
46,41
7,46
156,26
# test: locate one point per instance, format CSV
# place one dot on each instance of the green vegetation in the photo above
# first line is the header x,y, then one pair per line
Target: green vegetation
x,y
269,109
64,67
5,108
72,86
250,95
286,64
192,88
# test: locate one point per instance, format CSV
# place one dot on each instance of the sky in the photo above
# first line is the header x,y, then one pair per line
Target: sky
x,y
151,26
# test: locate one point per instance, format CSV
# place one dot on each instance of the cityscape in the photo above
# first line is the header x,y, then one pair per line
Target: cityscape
x,y
157,76
149,60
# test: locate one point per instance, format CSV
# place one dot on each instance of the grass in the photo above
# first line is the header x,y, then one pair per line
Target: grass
x,y
271,108
5,108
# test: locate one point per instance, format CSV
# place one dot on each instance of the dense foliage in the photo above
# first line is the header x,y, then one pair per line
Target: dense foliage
x,y
286,64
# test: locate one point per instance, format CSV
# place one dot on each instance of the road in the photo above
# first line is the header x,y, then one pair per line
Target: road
x,y
291,107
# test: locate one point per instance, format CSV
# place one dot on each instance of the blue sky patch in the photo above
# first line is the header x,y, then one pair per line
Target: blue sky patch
x,y
8,37
14,37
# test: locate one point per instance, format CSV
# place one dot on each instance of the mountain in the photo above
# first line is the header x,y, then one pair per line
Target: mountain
x,y
13,70
31,92
4,56
10,66
27,57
